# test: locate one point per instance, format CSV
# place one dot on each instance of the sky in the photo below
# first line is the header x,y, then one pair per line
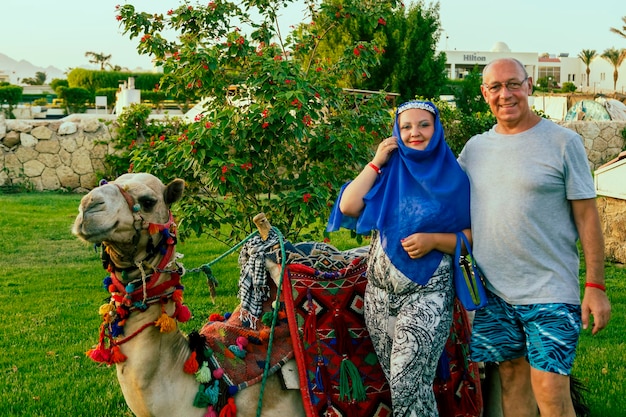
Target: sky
x,y
58,33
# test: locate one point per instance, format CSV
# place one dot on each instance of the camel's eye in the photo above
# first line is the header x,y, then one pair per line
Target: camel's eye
x,y
147,203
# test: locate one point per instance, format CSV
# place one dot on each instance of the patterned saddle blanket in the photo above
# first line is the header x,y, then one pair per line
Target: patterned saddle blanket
x,y
321,325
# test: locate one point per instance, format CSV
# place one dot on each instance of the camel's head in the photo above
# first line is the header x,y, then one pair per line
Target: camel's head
x,y
116,212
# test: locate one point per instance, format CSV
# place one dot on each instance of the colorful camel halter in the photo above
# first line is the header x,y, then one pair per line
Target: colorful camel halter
x,y
138,294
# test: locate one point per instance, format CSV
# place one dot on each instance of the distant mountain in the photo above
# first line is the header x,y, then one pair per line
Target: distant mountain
x,y
18,70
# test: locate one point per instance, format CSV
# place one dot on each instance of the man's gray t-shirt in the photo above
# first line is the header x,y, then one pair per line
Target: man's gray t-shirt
x,y
522,224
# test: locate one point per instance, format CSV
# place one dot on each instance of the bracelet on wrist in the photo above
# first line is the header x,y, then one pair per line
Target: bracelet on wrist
x,y
375,168
594,285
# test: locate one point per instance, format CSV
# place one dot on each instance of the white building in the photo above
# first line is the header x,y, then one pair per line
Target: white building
x,y
562,68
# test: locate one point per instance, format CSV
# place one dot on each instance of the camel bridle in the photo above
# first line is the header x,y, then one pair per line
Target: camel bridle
x,y
137,294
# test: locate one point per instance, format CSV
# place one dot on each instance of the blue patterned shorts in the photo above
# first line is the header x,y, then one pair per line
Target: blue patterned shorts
x,y
546,334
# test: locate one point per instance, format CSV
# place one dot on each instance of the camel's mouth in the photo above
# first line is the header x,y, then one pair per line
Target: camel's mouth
x,y
98,235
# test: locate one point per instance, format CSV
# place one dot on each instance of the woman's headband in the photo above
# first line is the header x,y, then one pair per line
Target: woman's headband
x,y
422,105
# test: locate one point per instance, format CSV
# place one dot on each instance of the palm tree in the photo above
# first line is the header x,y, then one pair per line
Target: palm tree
x,y
100,59
615,57
587,55
622,32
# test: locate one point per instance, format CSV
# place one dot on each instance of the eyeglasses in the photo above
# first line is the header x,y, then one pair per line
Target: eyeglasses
x,y
510,85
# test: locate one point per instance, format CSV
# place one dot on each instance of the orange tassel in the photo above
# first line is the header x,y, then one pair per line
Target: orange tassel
x,y
264,334
178,296
229,354
117,356
191,364
100,354
153,228
230,409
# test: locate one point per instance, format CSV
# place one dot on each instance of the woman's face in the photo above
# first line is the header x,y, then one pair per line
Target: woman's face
x,y
417,126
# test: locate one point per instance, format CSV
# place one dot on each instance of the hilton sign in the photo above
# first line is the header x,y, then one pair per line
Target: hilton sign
x,y
474,58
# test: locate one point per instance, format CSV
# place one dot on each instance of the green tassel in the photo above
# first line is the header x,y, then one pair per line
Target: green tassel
x,y
201,400
350,383
204,373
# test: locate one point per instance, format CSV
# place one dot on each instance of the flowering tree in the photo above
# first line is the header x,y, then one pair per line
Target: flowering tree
x,y
276,133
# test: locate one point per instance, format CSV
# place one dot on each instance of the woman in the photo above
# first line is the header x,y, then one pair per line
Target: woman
x,y
414,197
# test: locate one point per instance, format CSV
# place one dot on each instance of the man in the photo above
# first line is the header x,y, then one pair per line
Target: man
x,y
532,198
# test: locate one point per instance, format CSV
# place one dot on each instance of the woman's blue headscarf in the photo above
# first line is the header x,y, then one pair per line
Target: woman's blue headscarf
x,y
417,191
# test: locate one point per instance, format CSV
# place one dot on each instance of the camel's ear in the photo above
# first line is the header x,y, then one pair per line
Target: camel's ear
x,y
174,191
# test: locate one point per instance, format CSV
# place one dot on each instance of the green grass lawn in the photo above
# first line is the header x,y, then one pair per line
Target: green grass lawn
x,y
50,291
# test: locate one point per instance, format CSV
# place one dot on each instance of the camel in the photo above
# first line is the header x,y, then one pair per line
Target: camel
x,y
131,218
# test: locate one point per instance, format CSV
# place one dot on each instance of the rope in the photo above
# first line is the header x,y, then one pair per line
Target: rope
x,y
206,268
270,342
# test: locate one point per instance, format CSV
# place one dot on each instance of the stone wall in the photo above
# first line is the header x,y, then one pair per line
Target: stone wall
x,y
54,154
68,153
613,219
603,140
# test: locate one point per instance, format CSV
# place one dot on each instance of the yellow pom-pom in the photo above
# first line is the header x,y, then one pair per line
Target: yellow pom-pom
x,y
166,323
105,309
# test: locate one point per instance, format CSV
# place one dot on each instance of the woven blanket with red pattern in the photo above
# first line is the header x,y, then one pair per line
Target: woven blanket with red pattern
x,y
325,311
221,338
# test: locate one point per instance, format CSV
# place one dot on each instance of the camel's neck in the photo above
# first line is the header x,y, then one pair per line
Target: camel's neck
x,y
146,295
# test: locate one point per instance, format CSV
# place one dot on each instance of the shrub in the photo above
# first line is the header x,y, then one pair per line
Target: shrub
x,y
287,139
568,87
11,96
76,99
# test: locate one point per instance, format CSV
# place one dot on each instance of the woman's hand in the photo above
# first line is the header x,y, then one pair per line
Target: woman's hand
x,y
384,151
418,244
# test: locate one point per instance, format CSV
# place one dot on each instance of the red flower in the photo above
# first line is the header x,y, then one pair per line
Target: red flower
x,y
362,129
307,120
326,240
240,41
222,178
170,12
212,5
382,21
194,150
162,137
318,69
356,51
264,113
198,117
205,66
296,102
208,125
349,146
118,17
145,37
306,197
278,58
246,166
265,125
224,169
151,144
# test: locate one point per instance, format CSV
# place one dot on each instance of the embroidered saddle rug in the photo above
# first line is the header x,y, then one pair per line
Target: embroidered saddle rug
x,y
321,325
